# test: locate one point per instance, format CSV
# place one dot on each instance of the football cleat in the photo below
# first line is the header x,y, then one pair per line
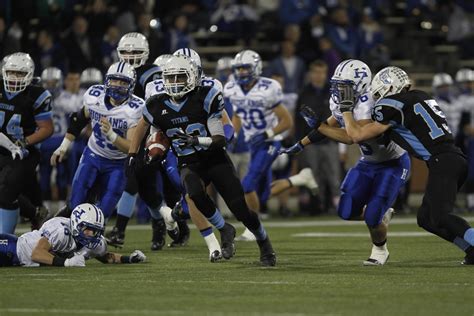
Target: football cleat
x,y
308,180
378,257
469,258
183,236
388,216
247,235
159,231
115,238
267,255
227,239
215,256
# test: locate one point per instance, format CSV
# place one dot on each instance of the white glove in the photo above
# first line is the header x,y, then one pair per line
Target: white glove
x,y
77,261
16,151
60,153
137,256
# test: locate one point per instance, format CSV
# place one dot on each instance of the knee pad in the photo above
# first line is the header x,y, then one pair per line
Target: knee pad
x,y
375,211
249,183
345,209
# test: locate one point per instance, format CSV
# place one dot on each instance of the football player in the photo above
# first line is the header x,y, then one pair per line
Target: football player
x,y
25,121
413,119
259,112
186,209
63,242
370,188
133,49
113,111
190,115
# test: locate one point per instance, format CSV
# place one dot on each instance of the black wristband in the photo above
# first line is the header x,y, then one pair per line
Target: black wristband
x,y
58,261
314,136
125,259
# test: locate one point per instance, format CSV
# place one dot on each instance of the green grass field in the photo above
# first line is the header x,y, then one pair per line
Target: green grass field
x,y
318,275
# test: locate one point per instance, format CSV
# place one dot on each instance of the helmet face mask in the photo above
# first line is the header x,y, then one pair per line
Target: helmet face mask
x,y
133,49
180,76
17,72
350,80
246,67
87,223
120,81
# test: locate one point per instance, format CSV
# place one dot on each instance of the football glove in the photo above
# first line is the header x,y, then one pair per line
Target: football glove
x,y
16,151
293,150
130,165
312,120
77,261
185,140
259,139
137,256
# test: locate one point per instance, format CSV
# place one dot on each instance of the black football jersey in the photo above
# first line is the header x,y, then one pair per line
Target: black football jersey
x,y
19,112
418,124
145,74
190,116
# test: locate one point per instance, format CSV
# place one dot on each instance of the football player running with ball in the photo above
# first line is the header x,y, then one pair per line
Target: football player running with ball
x,y
190,116
413,119
64,242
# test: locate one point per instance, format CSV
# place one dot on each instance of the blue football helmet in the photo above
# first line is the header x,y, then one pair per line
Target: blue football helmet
x,y
123,72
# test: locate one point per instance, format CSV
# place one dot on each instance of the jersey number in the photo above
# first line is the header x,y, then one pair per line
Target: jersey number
x,y
101,141
435,130
13,125
253,118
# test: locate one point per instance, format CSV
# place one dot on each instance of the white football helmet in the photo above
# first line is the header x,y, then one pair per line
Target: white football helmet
x,y
464,75
388,81
442,79
133,49
246,66
160,62
350,80
180,76
223,68
194,57
89,217
123,72
52,79
17,72
91,76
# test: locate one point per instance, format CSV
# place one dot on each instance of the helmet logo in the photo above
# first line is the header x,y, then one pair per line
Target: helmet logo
x,y
78,214
385,77
360,73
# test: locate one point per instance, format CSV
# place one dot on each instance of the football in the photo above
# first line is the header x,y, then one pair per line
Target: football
x,y
157,145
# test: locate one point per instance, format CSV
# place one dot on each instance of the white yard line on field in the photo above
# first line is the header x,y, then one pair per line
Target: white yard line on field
x,y
365,235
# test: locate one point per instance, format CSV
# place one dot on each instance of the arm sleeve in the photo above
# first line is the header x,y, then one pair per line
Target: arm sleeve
x,y
214,124
214,102
78,122
42,106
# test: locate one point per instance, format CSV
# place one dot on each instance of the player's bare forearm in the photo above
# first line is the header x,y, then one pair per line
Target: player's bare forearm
x,y
237,123
335,133
138,135
285,121
41,254
110,257
45,130
359,132
123,144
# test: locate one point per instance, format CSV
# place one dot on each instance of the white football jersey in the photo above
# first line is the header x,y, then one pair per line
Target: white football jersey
x,y
58,232
255,108
121,117
372,150
63,105
466,103
453,111
157,86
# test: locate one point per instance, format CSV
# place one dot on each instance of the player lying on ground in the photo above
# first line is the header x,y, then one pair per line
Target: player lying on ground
x,y
64,242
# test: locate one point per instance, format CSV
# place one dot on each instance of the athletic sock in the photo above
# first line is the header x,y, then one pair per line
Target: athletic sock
x,y
121,223
8,219
126,205
217,220
155,212
260,233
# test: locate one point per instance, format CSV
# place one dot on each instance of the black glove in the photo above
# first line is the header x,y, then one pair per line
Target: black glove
x,y
186,140
346,106
130,165
310,117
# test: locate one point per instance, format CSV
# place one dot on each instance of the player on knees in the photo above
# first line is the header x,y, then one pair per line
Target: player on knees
x,y
64,242
371,187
